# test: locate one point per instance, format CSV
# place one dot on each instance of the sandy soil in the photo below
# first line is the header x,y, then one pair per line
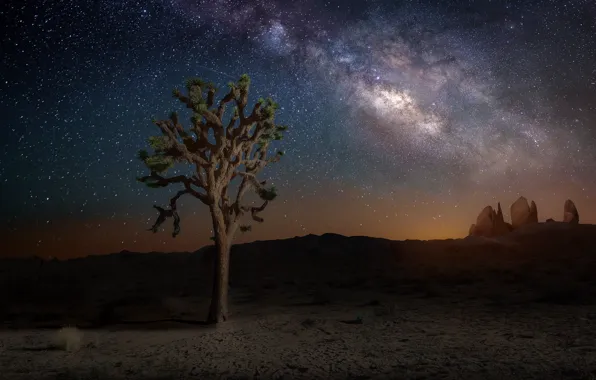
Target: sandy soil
x,y
330,307
414,338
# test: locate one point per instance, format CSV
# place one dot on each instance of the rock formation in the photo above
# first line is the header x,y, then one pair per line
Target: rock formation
x,y
533,218
484,222
570,214
522,213
490,223
472,230
500,226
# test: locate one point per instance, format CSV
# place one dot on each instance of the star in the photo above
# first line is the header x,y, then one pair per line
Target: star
x,y
400,108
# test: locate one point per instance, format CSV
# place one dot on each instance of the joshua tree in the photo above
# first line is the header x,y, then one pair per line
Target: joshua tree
x,y
225,151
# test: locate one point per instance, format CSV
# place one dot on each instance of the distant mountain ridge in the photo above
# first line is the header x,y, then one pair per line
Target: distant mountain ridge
x,y
329,239
554,261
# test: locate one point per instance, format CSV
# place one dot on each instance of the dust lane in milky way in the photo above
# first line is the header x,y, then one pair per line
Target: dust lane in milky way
x,y
406,117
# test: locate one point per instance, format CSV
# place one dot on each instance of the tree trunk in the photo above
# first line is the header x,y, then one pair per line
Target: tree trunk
x,y
218,311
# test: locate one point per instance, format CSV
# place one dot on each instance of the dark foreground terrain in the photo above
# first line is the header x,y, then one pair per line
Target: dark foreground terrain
x,y
316,307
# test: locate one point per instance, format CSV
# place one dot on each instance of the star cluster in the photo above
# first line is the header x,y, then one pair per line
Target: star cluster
x,y
407,117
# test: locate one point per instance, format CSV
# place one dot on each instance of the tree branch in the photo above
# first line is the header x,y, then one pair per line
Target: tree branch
x,y
254,211
243,140
169,213
210,97
180,147
184,99
254,116
222,103
159,181
258,163
249,181
212,118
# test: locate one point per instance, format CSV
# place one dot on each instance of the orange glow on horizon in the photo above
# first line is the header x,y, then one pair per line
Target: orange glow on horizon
x,y
348,213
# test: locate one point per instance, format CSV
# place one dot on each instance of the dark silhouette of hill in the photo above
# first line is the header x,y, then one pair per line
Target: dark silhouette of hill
x,y
550,262
522,306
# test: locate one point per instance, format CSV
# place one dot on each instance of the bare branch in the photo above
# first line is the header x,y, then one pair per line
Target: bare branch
x,y
158,181
163,214
254,116
259,163
162,181
184,99
212,118
211,97
169,213
254,211
222,103
230,127
249,181
252,179
181,148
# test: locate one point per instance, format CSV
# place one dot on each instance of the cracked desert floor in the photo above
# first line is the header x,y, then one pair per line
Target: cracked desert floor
x,y
316,307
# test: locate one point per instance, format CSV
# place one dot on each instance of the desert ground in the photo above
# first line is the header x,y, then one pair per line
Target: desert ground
x,y
521,306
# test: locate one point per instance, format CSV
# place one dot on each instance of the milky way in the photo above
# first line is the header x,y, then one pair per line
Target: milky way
x,y
420,82
414,109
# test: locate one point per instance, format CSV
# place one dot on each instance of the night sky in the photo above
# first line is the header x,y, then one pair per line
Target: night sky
x,y
406,117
